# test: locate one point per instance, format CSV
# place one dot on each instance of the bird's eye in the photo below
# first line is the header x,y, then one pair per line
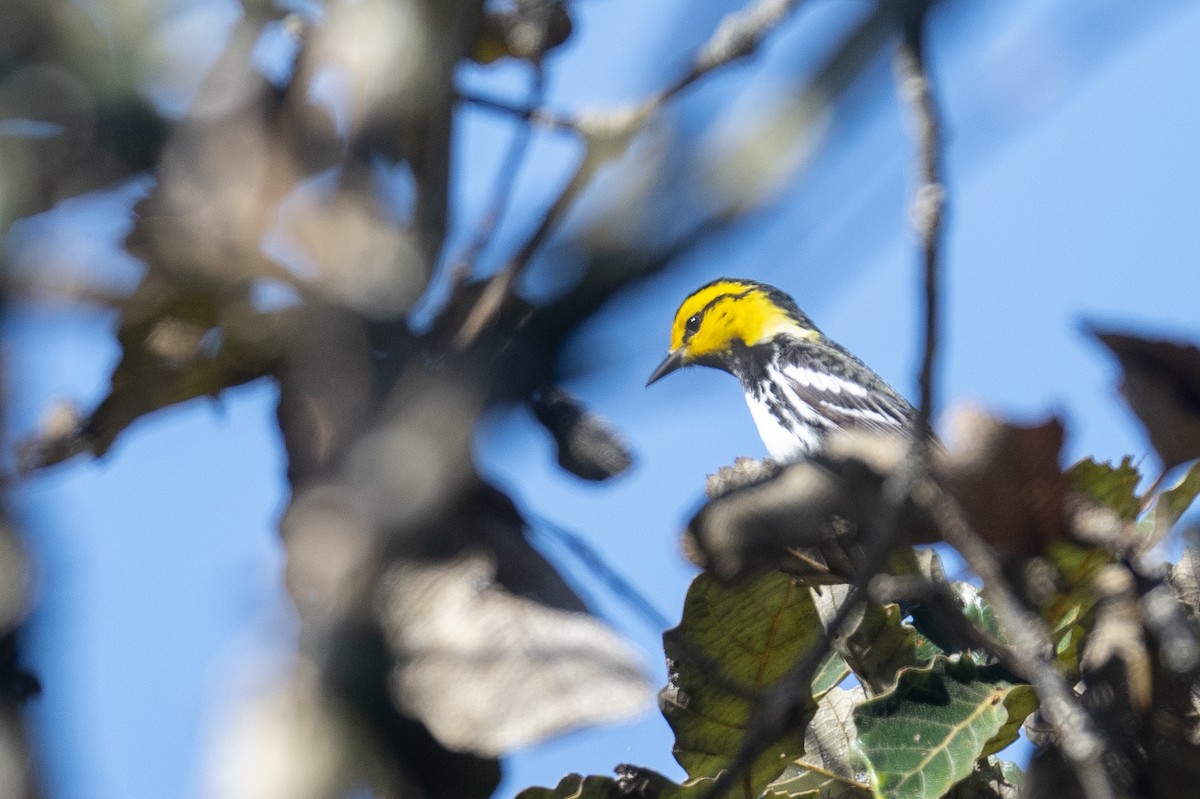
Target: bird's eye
x,y
692,324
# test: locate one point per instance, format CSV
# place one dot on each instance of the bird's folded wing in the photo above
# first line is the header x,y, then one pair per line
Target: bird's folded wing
x,y
846,404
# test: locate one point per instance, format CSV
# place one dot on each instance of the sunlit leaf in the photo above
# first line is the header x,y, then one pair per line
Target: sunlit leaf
x,y
926,734
828,769
733,642
876,642
1114,487
1185,577
1175,501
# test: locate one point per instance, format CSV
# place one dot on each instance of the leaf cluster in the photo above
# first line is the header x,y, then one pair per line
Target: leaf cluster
x,y
787,678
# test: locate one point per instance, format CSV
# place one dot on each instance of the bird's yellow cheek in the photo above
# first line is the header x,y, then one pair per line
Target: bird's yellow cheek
x,y
706,343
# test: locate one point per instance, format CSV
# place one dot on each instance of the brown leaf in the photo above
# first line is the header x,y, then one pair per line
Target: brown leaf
x,y
487,670
1008,481
1161,383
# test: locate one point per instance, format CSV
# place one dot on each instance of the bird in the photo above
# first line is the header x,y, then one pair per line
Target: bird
x,y
799,384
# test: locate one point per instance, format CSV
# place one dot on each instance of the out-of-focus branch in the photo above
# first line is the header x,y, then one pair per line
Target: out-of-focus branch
x,y
738,36
617,585
526,113
930,198
506,178
607,135
501,283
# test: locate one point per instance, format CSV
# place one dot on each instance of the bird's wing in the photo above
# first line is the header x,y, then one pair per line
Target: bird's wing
x,y
854,405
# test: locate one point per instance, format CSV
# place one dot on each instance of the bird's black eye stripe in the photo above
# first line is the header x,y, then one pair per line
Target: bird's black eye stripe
x,y
692,325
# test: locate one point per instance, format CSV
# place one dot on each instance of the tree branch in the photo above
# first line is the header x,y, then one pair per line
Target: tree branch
x,y
930,199
738,36
506,177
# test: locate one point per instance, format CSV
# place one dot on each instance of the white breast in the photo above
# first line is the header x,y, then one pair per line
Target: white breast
x,y
784,442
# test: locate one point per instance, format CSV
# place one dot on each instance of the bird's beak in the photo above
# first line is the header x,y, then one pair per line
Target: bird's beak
x,y
672,362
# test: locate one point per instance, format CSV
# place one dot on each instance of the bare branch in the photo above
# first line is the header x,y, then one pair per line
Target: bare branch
x,y
737,36
617,585
526,113
930,198
506,177
607,134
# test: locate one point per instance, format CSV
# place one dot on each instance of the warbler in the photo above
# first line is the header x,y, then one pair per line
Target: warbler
x,y
800,385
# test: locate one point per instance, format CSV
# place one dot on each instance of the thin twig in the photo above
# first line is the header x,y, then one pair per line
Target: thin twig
x,y
629,595
506,177
930,197
738,36
617,585
526,113
501,283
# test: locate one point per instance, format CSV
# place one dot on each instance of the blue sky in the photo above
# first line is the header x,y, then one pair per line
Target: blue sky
x,y
1074,189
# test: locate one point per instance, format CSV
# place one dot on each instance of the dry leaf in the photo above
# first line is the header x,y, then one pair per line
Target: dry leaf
x,y
1161,383
1008,481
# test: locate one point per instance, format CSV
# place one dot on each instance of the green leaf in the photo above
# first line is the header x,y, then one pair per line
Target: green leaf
x,y
829,674
1174,502
1069,610
878,644
926,734
1114,487
937,636
978,611
733,642
1185,578
828,769
576,786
